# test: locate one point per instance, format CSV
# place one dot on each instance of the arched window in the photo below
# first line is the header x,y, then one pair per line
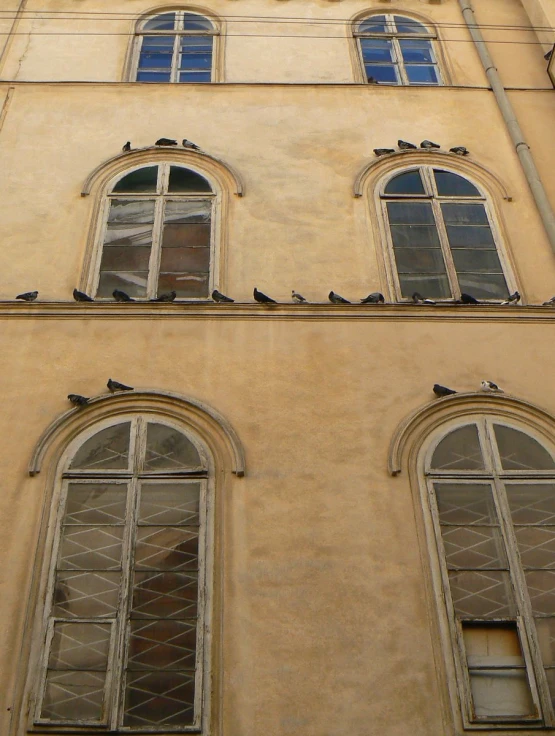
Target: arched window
x,y
397,50
175,47
441,235
126,602
492,491
156,234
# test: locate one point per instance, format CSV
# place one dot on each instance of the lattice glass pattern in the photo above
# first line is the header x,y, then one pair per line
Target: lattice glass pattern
x,y
168,449
91,548
531,503
537,546
482,594
473,547
465,503
86,594
166,548
73,696
107,449
159,699
165,595
95,503
165,644
519,451
79,646
545,628
541,589
459,450
169,503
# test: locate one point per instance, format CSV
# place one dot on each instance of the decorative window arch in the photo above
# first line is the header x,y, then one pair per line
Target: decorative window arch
x,y
442,236
156,234
127,606
175,46
489,482
395,49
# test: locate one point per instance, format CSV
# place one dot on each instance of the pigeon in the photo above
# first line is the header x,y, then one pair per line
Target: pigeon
x,y
549,54
165,142
168,297
372,80
549,302
190,144
405,146
429,145
115,386
374,298
441,391
336,299
468,299
489,387
78,400
419,299
262,298
121,296
299,298
28,296
459,150
512,298
383,151
221,298
126,147
80,296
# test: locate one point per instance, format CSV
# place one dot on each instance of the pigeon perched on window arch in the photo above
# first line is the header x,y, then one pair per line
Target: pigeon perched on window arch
x,y
441,391
298,298
429,145
459,151
220,298
336,299
549,302
78,400
405,145
468,299
383,151
189,144
512,298
168,297
165,142
116,386
262,298
489,387
28,296
126,147
80,296
121,296
374,298
417,298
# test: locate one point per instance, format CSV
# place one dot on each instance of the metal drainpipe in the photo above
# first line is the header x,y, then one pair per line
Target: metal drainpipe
x,y
9,38
523,150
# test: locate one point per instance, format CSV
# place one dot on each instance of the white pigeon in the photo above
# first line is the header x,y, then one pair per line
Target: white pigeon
x,y
297,297
489,387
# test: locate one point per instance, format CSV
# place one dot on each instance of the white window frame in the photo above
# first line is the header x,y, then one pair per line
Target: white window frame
x,y
394,36
133,476
431,195
160,197
494,476
141,31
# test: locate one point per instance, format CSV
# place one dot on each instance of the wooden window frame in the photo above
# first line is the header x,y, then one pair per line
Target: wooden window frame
x,y
431,195
141,32
160,197
132,478
394,36
494,476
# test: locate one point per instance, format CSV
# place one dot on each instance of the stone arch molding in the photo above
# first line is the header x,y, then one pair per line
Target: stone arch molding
x,y
224,175
413,431
210,426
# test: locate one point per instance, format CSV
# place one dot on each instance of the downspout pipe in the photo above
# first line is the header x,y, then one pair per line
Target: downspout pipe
x,y
522,148
9,37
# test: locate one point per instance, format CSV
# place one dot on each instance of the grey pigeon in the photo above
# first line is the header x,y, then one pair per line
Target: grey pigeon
x,y
80,296
417,298
168,297
441,391
121,296
372,80
374,298
126,147
28,296
549,54
549,302
468,299
405,145
459,150
78,400
383,151
165,142
512,298
262,298
299,298
217,296
429,144
115,386
190,144
489,387
336,299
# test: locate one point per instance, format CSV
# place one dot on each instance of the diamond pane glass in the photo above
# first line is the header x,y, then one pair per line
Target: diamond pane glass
x,y
80,646
546,639
465,503
473,547
159,698
166,448
541,588
482,594
71,696
519,451
166,548
165,595
536,545
169,503
106,450
459,450
95,503
166,644
532,503
91,548
86,594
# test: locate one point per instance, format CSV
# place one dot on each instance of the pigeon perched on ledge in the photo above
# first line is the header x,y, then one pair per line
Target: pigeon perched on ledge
x,y
298,298
459,151
165,142
374,298
383,151
549,302
441,391
28,296
221,298
262,298
512,298
429,145
78,400
417,298
80,296
168,297
121,296
468,299
116,386
190,144
126,147
336,299
489,387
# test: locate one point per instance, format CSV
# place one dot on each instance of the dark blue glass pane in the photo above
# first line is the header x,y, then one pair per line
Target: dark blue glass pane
x,y
417,52
383,73
194,77
158,41
453,185
150,60
375,24
375,50
407,25
196,43
410,182
196,61
153,76
192,22
164,22
410,213
422,74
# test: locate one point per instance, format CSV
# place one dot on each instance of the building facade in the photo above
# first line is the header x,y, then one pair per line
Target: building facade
x,y
275,526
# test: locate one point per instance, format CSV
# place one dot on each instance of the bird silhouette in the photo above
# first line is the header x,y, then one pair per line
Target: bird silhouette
x,y
372,80
121,296
459,150
299,298
165,142
78,400
417,298
168,297
374,298
549,302
126,147
429,144
190,144
80,296
405,145
217,296
441,391
336,299
512,298
468,299
28,296
116,386
383,151
262,298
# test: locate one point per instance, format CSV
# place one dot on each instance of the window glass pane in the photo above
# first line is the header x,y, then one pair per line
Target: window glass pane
x,y
541,589
91,548
163,22
72,696
192,77
546,638
162,645
409,182
193,22
191,60
472,260
182,235
459,450
536,545
408,25
118,258
185,260
166,548
159,698
169,449
532,503
465,503
419,260
133,283
376,50
79,646
130,212
453,185
107,449
410,213
155,59
153,76
165,595
470,236
431,286
482,594
185,180
86,594
421,74
416,52
186,285
374,24
464,214
383,73
484,286
96,503
519,451
163,43
141,180
415,236
169,503
473,547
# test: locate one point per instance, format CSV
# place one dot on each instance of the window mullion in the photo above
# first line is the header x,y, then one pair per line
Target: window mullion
x,y
157,234
447,255
175,59
399,63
